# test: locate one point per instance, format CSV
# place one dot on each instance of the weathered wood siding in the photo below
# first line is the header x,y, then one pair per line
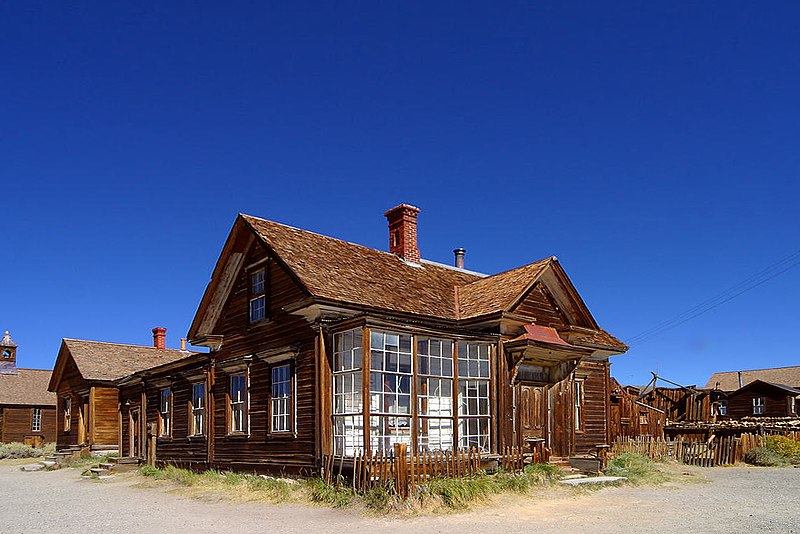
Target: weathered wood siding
x,y
627,419
179,448
72,384
776,404
260,450
681,404
539,304
130,398
103,416
16,423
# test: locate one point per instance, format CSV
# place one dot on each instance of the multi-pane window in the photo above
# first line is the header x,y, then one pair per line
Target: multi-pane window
x,y
389,389
723,407
435,394
238,403
165,412
281,401
792,405
67,404
36,420
348,405
198,408
473,395
577,404
258,296
758,406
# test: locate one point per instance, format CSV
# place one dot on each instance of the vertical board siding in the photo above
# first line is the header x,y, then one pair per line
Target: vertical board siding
x,y
104,416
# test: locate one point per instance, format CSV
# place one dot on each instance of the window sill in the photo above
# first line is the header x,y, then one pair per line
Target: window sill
x,y
281,436
197,437
164,439
259,323
237,436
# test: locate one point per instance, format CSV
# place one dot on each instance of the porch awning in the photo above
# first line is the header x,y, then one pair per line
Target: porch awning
x,y
540,355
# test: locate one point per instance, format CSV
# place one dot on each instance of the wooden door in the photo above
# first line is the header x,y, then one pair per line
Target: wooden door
x,y
532,408
134,425
83,410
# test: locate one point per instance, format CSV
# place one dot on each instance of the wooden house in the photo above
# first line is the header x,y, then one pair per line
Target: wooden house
x,y
84,381
324,347
727,382
763,399
27,409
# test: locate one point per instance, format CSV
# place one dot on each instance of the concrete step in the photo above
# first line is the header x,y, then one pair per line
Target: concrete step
x,y
48,463
105,466
32,467
99,471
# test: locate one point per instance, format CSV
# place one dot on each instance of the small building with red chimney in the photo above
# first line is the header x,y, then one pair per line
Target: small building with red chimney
x,y
84,381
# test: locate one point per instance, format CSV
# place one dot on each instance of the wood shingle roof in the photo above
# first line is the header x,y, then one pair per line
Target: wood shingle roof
x,y
28,387
101,360
345,274
729,380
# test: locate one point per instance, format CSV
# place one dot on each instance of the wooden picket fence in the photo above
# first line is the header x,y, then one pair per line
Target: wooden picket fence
x,y
719,450
403,472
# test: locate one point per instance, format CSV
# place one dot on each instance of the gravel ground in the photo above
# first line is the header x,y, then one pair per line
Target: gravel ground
x,y
737,500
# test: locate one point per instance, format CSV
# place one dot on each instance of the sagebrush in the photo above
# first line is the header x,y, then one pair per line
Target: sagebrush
x,y
20,450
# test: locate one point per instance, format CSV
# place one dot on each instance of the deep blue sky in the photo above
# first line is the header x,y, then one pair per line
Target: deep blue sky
x,y
652,148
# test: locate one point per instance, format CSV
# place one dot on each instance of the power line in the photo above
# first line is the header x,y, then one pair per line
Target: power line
x,y
752,282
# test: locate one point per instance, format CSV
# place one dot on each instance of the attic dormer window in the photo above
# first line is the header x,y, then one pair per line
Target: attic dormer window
x,y
258,295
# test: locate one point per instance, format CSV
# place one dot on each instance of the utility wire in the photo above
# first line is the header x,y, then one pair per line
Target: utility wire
x,y
752,282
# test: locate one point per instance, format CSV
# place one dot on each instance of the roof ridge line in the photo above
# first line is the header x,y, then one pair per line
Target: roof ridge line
x,y
125,344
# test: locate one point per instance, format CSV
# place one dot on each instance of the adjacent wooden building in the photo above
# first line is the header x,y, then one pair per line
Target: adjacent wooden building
x,y
84,382
27,409
322,347
763,399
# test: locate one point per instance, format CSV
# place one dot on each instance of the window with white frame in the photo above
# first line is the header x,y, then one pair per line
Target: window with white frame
x,y
473,395
198,408
281,401
36,420
348,405
258,295
66,402
389,389
237,405
435,394
165,412
792,405
722,408
577,404
758,406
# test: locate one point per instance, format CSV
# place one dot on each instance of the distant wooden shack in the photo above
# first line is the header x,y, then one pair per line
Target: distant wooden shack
x,y
27,409
631,417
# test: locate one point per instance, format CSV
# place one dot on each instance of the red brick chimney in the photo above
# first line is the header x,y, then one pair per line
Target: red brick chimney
x,y
160,338
403,232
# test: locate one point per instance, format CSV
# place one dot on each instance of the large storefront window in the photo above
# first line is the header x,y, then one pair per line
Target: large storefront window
x,y
441,384
389,390
435,394
348,406
473,395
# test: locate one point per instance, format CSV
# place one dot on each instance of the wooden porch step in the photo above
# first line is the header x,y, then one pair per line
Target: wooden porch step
x,y
125,460
105,466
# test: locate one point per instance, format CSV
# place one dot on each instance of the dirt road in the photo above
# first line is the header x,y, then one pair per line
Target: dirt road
x,y
735,500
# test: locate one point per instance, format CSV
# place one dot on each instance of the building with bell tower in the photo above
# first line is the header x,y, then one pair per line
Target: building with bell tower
x,y
27,409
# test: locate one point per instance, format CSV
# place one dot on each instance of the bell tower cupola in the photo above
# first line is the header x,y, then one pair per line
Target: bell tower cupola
x,y
8,355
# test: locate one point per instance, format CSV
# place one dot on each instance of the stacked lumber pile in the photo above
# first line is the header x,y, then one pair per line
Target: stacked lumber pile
x,y
768,424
